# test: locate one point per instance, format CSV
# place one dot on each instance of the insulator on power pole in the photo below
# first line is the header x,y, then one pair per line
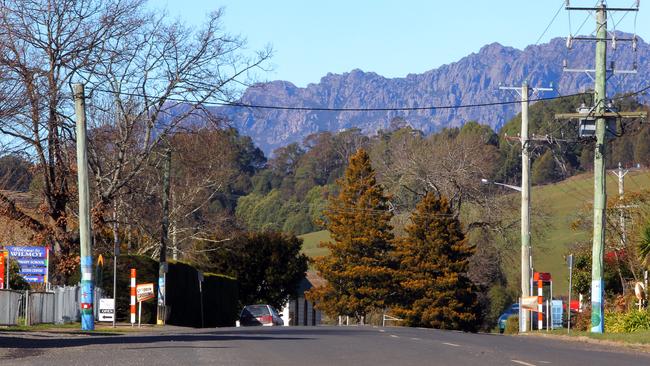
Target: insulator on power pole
x,y
634,66
568,3
636,4
582,107
612,65
634,43
569,42
614,41
564,64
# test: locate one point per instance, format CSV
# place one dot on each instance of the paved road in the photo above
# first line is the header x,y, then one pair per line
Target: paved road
x,y
311,346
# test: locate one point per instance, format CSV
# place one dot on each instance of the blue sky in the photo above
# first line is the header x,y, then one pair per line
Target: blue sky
x,y
392,38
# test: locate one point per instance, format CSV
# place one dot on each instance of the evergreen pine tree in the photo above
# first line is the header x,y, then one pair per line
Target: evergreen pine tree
x,y
360,266
434,288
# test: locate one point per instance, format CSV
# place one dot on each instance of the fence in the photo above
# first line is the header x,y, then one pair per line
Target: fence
x,y
10,306
59,306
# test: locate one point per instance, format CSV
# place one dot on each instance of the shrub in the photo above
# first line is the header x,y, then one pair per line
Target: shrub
x,y
632,321
512,325
583,320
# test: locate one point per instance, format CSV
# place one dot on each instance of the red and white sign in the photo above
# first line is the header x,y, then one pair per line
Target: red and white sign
x,y
145,291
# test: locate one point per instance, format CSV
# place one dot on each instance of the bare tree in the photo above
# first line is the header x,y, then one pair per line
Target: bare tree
x,y
137,67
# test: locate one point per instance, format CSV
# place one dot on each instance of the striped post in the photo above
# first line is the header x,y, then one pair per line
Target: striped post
x,y
540,305
132,296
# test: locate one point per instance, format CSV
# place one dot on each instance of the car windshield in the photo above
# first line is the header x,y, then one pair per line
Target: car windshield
x,y
257,310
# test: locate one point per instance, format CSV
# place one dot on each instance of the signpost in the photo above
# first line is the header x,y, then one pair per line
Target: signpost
x,y
144,292
32,261
570,263
106,310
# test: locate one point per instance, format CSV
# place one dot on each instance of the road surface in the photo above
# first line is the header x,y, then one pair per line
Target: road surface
x,y
311,346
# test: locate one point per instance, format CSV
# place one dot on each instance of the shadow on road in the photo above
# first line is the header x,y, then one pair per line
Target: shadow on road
x,y
87,340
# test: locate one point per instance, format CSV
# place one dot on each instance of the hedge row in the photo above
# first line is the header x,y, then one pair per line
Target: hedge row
x,y
219,293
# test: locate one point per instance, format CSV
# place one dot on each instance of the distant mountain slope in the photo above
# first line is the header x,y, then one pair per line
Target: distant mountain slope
x,y
473,79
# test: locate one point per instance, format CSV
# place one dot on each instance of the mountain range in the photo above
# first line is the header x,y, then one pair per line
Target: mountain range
x,y
474,79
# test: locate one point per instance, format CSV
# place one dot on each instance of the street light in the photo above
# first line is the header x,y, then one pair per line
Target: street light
x,y
516,188
526,256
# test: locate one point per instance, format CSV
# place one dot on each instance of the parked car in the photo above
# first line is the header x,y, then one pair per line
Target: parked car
x,y
511,311
256,315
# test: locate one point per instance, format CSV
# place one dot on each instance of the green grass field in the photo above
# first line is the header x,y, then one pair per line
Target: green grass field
x,y
311,241
563,202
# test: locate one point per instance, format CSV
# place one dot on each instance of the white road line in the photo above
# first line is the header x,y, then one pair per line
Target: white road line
x,y
394,336
522,363
546,362
381,330
451,344
416,339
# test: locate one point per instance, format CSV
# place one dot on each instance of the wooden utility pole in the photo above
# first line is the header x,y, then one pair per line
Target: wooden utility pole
x,y
526,256
601,115
600,194
162,273
87,314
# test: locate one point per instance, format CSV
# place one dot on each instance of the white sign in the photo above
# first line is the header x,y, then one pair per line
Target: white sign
x,y
529,303
145,292
106,310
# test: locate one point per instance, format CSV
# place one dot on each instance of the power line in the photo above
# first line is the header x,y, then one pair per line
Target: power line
x,y
325,109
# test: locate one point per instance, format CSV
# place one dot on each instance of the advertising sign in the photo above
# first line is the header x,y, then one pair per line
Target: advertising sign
x,y
33,262
144,292
106,310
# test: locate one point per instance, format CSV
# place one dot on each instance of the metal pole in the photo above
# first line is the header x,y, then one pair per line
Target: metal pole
x,y
87,317
597,321
525,204
164,238
116,253
570,290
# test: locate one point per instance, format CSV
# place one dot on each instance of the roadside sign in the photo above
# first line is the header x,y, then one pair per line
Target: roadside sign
x,y
529,303
33,262
144,292
106,310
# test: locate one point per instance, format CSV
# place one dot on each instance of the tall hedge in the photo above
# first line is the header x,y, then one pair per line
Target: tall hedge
x,y
219,295
220,305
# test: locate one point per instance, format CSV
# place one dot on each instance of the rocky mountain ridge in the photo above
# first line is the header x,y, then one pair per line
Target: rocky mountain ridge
x,y
473,79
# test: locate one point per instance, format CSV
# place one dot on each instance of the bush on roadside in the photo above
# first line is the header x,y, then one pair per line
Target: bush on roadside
x,y
512,325
583,320
627,322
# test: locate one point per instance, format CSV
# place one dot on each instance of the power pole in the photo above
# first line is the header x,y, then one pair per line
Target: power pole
x,y
601,116
87,314
162,273
116,253
526,257
620,174
600,194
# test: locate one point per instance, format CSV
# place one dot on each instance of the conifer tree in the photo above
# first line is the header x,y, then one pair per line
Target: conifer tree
x,y
433,257
360,266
